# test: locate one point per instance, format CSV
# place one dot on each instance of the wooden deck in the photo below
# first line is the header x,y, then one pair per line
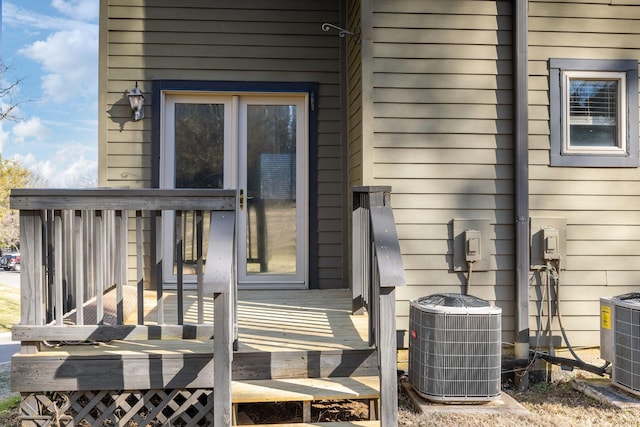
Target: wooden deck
x,y
282,334
81,343
281,320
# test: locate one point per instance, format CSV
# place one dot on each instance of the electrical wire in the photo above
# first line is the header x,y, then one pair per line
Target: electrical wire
x,y
553,273
551,276
549,308
539,331
469,272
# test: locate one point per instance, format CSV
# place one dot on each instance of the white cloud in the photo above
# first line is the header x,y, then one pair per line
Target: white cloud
x,y
30,129
70,61
19,17
3,138
69,167
65,48
86,10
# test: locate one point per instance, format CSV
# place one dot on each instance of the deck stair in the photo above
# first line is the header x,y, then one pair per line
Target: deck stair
x,y
308,390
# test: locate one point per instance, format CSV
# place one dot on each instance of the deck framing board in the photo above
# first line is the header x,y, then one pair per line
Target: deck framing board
x,y
171,368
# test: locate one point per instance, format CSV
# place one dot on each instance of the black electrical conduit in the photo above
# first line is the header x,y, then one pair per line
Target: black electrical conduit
x,y
512,364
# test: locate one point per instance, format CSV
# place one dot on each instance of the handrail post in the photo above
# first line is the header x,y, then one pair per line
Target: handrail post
x,y
363,198
377,271
388,357
389,275
31,273
219,279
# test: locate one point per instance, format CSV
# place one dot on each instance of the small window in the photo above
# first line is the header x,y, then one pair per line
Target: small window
x,y
594,113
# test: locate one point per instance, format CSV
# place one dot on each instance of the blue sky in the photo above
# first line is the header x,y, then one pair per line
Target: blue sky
x,y
52,45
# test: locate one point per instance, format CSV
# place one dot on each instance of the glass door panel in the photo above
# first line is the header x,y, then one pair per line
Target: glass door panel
x,y
271,189
253,143
199,145
193,155
199,154
272,227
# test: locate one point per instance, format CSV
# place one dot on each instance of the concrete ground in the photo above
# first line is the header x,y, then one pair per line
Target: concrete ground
x,y
604,391
504,404
599,388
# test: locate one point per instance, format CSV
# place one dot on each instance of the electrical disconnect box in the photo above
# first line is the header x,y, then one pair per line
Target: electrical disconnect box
x,y
548,240
471,243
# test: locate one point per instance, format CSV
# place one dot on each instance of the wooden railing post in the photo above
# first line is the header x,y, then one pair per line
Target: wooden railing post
x,y
363,198
31,273
359,251
219,279
377,271
390,273
78,267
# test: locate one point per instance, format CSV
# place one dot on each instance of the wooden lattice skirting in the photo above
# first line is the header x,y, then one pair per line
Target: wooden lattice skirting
x,y
186,407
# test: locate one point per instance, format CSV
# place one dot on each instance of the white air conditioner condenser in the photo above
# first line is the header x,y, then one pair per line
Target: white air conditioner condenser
x,y
455,348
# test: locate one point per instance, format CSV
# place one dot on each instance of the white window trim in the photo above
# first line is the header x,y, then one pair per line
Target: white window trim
x,y
621,126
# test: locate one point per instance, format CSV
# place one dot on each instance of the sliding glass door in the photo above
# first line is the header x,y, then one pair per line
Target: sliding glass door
x,y
256,144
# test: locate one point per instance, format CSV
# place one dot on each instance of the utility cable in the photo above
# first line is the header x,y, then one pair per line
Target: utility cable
x,y
549,308
554,272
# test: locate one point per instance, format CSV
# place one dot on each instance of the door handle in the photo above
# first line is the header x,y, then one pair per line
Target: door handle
x,y
241,199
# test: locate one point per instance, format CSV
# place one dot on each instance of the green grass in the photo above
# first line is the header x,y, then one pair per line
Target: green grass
x,y
9,404
9,412
9,307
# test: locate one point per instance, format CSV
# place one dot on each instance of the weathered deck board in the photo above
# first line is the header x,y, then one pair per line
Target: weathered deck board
x,y
305,389
279,320
282,334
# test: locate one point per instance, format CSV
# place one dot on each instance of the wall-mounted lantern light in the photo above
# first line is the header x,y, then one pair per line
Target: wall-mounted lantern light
x,y
136,99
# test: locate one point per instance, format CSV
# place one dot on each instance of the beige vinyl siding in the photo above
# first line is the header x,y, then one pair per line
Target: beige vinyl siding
x,y
601,206
243,40
442,138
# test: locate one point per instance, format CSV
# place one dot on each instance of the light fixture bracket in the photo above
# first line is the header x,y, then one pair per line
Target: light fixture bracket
x,y
342,33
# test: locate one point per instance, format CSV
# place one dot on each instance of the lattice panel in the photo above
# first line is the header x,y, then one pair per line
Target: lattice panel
x,y
191,407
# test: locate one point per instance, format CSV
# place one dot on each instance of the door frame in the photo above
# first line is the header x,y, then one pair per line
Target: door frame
x,y
160,87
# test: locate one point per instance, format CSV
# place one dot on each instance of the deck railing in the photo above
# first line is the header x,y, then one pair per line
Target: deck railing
x,y
85,252
377,271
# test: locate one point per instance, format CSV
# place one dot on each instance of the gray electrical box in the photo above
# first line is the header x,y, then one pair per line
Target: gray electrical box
x,y
471,243
548,240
